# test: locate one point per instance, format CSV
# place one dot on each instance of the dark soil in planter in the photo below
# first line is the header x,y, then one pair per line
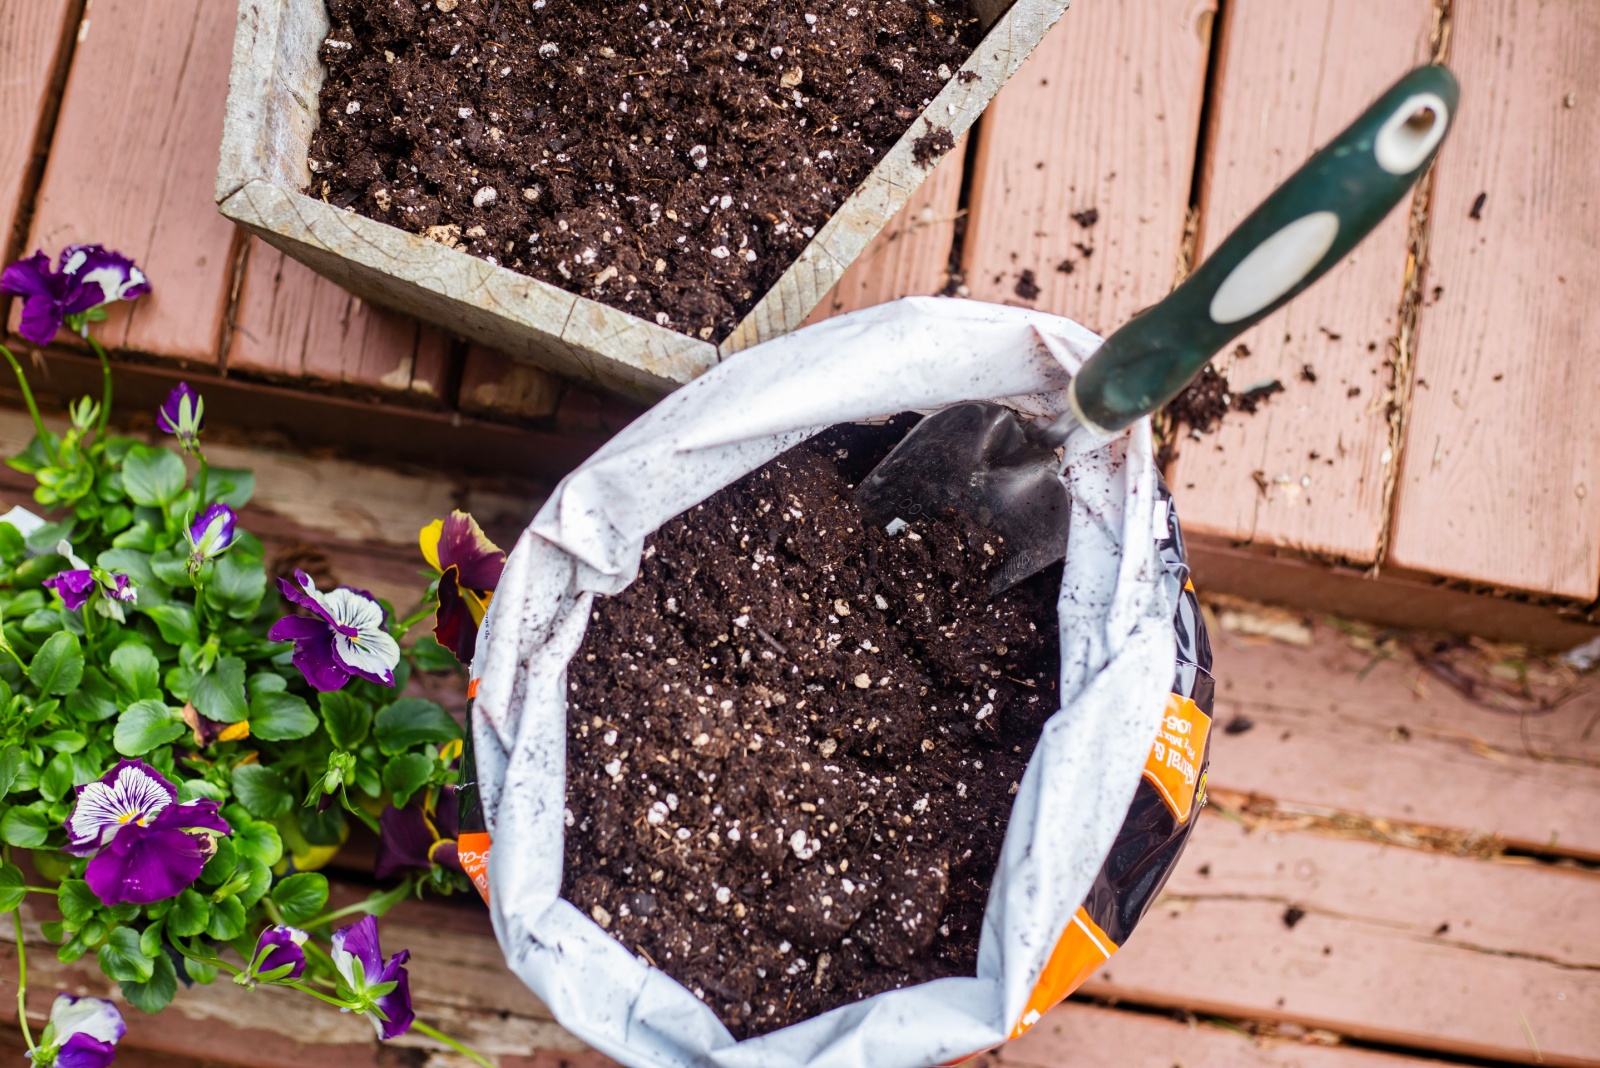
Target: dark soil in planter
x,y
670,162
793,742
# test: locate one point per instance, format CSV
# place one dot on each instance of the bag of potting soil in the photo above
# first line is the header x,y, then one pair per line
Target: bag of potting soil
x,y
1111,792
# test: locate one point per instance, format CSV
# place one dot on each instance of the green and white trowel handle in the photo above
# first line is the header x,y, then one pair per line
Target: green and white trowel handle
x,y
1306,226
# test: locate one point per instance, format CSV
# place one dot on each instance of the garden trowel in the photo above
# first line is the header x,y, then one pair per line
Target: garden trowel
x,y
980,458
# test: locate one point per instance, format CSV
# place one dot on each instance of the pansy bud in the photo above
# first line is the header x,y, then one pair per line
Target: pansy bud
x,y
82,1033
183,415
210,535
278,957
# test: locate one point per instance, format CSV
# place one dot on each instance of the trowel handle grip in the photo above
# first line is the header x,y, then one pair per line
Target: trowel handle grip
x,y
1305,227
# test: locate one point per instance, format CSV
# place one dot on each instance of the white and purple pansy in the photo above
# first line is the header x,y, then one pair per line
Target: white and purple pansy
x,y
343,636
77,583
74,586
278,957
49,297
211,534
381,990
145,847
116,276
183,415
82,1033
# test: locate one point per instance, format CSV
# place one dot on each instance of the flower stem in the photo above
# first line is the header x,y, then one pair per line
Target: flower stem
x,y
22,981
105,393
43,890
200,481
319,995
376,905
439,1036
33,408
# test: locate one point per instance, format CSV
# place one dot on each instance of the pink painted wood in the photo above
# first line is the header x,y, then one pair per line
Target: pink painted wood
x,y
494,384
133,162
1501,480
1320,447
32,35
291,323
1102,116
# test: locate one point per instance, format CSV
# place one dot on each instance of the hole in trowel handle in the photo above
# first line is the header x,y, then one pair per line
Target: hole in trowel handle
x,y
1411,133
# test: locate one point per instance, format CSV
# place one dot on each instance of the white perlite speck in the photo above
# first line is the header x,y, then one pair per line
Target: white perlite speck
x,y
548,49
723,895
697,156
657,814
352,107
614,769
484,196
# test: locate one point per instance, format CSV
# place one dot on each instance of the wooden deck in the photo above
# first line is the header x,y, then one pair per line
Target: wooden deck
x,y
1390,874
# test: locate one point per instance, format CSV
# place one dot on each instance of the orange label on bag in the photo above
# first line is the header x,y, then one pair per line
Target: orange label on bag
x,y
1174,764
1081,949
472,849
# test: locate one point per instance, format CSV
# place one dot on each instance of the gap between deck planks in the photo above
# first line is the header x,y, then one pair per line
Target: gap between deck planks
x,y
1290,77
1501,476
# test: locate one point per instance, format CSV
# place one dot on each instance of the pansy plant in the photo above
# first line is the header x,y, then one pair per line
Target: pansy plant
x,y
182,741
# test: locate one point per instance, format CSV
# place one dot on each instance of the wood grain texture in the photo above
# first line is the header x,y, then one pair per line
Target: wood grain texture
x,y
1090,1036
131,166
31,36
1501,477
1104,116
1284,90
494,384
291,323
1335,730
1394,945
911,256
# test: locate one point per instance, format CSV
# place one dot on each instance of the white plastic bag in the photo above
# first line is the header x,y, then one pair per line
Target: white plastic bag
x,y
1117,654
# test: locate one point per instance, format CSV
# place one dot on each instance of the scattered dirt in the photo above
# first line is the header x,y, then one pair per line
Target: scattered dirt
x,y
931,146
1066,267
666,163
1308,373
1477,206
1206,401
1293,915
1087,217
1252,398
793,742
1027,286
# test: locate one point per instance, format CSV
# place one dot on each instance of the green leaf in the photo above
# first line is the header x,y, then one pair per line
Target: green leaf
x,y
268,682
64,741
45,539
262,790
95,698
136,671
237,586
431,656
153,477
323,828
227,920
12,893
413,721
234,486
158,991
171,566
259,878
347,717
12,547
176,622
220,867
134,564
299,897
258,840
122,959
202,973
57,667
219,695
196,789
56,779
280,717
144,725
10,765
189,915
24,827
405,774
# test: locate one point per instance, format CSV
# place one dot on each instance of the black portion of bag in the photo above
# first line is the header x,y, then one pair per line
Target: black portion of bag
x,y
1151,840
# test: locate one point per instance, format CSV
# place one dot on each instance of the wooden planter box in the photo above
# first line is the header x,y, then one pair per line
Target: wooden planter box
x,y
272,112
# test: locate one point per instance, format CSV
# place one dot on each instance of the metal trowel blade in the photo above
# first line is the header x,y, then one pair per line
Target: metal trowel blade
x,y
976,458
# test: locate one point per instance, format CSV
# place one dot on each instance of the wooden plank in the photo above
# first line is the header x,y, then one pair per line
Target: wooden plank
x,y
1333,729
1090,1036
911,256
32,36
1501,482
494,384
1464,956
1321,446
291,323
1103,116
132,163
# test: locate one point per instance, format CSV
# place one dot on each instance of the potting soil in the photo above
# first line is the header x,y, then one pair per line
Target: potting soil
x,y
668,159
793,742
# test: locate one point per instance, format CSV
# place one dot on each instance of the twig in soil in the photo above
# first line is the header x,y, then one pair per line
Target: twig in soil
x,y
770,640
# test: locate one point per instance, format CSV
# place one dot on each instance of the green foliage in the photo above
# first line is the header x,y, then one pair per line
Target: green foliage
x,y
411,722
299,897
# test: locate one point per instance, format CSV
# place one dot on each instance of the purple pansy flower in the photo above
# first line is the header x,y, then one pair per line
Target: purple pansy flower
x,y
359,958
344,636
183,415
145,846
211,534
115,276
48,297
82,1033
279,948
409,840
74,587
